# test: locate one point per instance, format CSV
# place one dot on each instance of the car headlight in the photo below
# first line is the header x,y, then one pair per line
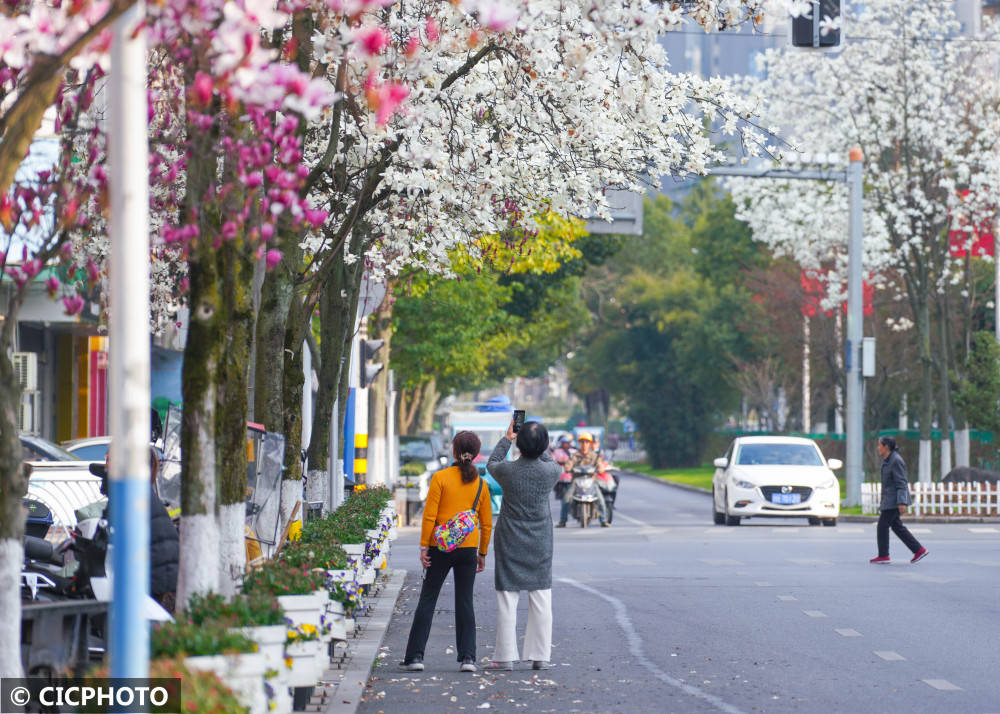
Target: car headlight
x,y
744,484
829,483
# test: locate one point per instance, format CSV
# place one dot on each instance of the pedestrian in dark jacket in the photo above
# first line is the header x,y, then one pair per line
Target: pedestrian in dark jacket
x,y
164,540
523,544
895,499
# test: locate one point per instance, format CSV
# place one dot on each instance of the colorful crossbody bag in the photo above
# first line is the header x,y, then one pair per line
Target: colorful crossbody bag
x,y
450,535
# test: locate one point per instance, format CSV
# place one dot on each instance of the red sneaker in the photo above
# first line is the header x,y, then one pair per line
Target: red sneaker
x,y
880,559
919,555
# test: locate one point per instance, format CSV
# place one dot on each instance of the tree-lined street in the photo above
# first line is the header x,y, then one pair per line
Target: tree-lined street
x,y
665,612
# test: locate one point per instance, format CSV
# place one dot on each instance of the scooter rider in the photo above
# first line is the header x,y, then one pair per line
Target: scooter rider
x,y
586,456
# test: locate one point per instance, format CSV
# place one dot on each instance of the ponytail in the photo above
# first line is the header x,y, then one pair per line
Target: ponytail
x,y
465,446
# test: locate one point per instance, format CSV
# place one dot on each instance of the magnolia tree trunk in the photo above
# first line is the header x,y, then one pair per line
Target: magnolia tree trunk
x,y
13,486
926,390
203,353
236,270
336,316
945,363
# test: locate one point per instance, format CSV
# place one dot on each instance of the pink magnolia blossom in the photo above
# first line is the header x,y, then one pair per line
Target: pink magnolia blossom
x,y
272,258
72,305
51,286
371,40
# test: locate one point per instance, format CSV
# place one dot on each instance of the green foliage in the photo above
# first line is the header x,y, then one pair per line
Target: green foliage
x,y
210,637
253,610
317,553
201,692
347,524
666,318
978,395
276,577
412,468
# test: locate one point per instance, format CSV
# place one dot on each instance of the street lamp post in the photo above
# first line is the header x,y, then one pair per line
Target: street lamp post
x,y
129,488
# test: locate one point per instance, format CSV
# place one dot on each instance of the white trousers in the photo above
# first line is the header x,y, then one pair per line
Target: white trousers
x,y
537,635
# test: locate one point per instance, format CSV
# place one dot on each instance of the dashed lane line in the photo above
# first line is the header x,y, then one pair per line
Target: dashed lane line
x,y
983,530
720,561
764,584
890,656
942,684
638,650
815,613
846,632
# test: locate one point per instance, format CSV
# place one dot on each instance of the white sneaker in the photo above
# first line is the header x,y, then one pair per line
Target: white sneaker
x,y
468,665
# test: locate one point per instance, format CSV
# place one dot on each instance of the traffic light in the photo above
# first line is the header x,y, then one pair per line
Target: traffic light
x,y
368,349
806,30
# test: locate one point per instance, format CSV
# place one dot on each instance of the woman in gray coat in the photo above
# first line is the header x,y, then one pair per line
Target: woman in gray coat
x,y
522,542
895,499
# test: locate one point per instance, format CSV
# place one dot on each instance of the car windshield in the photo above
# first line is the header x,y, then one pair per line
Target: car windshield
x,y
38,449
779,455
414,449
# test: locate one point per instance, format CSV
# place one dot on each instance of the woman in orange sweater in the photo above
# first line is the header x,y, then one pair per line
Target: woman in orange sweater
x,y
452,490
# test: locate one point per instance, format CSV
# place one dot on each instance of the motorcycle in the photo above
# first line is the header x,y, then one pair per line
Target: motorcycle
x,y
585,494
607,481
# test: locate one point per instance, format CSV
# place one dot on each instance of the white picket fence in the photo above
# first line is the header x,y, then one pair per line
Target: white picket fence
x,y
941,499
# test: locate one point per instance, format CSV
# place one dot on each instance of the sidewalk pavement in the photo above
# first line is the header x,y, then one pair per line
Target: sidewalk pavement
x,y
343,683
846,517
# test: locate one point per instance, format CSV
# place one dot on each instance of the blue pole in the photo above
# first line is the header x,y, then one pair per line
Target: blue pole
x,y
128,500
349,436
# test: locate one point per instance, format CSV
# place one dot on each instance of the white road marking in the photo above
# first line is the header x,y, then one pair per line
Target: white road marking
x,y
814,613
785,530
942,684
720,531
809,561
764,584
922,531
890,656
983,530
635,645
787,598
842,529
847,632
720,561
636,562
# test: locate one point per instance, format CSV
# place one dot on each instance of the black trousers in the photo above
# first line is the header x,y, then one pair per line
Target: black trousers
x,y
890,519
463,562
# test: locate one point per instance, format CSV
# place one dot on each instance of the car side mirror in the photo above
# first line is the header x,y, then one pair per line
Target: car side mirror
x,y
721,462
834,463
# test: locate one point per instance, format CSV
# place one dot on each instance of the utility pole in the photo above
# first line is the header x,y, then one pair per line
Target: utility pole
x,y
128,482
855,407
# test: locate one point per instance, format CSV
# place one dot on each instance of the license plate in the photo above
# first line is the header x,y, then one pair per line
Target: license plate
x,y
786,499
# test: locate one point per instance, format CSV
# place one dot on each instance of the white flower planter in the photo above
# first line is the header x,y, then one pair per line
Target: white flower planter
x,y
357,549
270,641
304,609
365,576
393,534
242,673
308,662
351,624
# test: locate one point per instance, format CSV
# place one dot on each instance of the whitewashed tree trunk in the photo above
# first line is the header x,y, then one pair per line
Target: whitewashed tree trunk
x,y
945,457
200,536
904,415
318,486
11,557
925,466
963,447
806,378
232,556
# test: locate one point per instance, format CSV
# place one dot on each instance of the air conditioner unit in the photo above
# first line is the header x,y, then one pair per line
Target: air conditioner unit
x,y
26,369
30,413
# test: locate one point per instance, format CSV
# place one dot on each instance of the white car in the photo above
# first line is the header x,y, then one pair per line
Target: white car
x,y
775,477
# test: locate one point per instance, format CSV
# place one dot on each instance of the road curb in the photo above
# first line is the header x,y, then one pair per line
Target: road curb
x,y
846,518
365,649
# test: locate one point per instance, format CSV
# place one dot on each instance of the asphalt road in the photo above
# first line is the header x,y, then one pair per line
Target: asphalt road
x,y
665,612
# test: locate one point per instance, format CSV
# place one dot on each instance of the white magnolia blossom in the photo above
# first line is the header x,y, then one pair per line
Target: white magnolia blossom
x,y
921,102
578,96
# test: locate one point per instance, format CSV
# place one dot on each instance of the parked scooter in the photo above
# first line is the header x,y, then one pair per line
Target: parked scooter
x,y
585,494
65,571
